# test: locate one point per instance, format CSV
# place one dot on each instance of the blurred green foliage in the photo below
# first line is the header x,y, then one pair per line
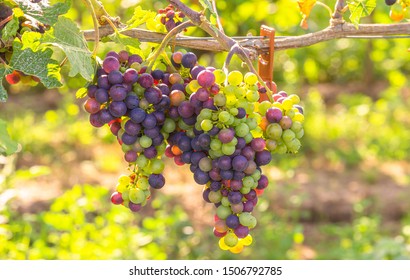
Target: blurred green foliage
x,y
343,125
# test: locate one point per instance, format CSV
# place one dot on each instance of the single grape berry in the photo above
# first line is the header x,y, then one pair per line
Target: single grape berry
x,y
390,2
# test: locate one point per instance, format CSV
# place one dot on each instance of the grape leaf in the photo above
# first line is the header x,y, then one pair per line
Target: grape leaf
x,y
359,9
140,17
67,36
306,7
43,12
3,72
10,29
7,145
37,64
131,44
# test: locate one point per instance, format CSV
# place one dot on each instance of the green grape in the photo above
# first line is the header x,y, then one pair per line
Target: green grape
x,y
300,133
145,141
229,90
215,197
240,93
296,126
287,104
142,161
219,99
136,195
220,76
205,164
124,180
169,125
256,176
157,166
225,201
252,96
274,131
231,100
288,135
228,149
230,239
142,183
246,219
248,138
206,125
121,187
251,123
235,78
223,212
248,181
294,145
242,129
295,99
246,189
271,145
215,144
250,78
224,116
233,111
264,106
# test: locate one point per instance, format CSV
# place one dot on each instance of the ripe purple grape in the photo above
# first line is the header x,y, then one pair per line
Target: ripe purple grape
x,y
146,80
130,76
189,60
117,108
118,92
232,221
239,163
137,115
263,158
111,63
274,115
206,78
115,77
156,181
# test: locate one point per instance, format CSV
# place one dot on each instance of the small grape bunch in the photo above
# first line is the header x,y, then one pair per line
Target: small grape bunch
x,y
170,17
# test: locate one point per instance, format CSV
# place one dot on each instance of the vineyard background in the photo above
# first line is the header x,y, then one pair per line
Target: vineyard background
x,y
343,196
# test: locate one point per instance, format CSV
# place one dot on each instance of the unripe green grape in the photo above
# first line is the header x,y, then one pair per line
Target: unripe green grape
x,y
231,120
225,202
193,85
136,195
219,99
274,131
295,99
229,90
256,176
235,78
240,93
125,194
124,180
242,129
206,113
190,133
248,181
206,125
121,187
157,166
224,116
250,78
264,106
215,144
287,104
294,145
250,107
215,154
246,219
169,125
248,138
231,101
142,161
223,212
182,125
215,197
300,133
205,164
228,149
251,123
257,132
161,148
142,183
145,141
290,113
233,111
252,96
220,76
271,145
288,135
296,126
230,239
299,118
281,149
246,189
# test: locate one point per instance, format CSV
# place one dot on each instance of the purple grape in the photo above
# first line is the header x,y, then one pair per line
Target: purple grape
x,y
300,108
285,122
115,77
118,92
263,158
153,95
132,128
232,221
189,60
128,139
185,109
106,116
238,175
225,163
226,135
226,174
206,78
196,70
132,101
196,157
150,121
241,231
117,108
202,94
164,89
209,104
130,156
101,95
178,87
186,157
134,207
95,120
146,80
103,82
241,113
123,56
164,104
195,144
236,185
115,127
251,195
160,116
157,74
224,192
239,163
205,195
215,186
170,24
241,143
91,90
184,144
150,152
204,140
274,115
113,54
110,64
137,115
235,197
130,76
135,58
248,206
214,175
258,144
214,131
263,182
193,168
248,152
156,181
156,141
201,177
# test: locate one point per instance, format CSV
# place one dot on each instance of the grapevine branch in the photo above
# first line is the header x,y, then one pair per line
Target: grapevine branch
x,y
342,30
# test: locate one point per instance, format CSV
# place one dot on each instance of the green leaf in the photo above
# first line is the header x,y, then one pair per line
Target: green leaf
x,y
31,40
3,72
140,17
10,29
81,92
42,12
359,9
67,36
37,64
131,44
7,145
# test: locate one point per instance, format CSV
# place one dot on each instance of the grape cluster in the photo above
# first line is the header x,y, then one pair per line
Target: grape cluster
x,y
200,116
170,17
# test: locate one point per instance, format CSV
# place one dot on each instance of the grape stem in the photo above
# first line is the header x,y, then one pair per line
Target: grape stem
x,y
325,6
174,32
2,61
95,21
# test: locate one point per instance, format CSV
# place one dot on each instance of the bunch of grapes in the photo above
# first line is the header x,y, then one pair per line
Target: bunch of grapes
x,y
198,116
170,17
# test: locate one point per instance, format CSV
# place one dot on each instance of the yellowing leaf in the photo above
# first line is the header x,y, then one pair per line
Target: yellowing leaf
x,y
306,6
